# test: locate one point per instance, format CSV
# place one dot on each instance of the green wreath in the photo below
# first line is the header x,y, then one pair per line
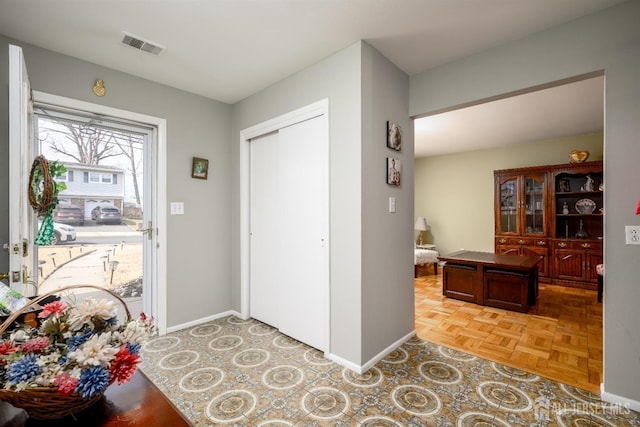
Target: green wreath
x,y
43,194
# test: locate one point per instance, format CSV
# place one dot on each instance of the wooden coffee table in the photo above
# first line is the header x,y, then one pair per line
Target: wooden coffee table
x,y
502,281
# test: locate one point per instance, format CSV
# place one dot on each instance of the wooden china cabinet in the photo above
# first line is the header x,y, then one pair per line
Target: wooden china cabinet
x,y
555,212
521,198
578,211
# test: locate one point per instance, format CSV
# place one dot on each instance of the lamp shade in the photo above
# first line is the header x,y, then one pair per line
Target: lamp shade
x,y
421,224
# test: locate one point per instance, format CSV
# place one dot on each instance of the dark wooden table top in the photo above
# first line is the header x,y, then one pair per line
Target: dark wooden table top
x,y
137,403
495,260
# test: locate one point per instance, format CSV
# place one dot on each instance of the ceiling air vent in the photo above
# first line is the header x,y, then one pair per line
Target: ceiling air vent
x,y
141,44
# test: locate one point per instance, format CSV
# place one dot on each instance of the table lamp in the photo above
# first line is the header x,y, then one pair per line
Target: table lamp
x,y
421,225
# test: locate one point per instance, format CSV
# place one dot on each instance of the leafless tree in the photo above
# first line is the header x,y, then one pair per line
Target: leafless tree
x,y
83,143
130,145
90,144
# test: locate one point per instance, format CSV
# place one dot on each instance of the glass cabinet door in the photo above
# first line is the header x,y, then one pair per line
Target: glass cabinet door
x,y
509,205
534,205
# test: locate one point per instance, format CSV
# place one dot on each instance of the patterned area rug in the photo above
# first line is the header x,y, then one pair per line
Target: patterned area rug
x,y
246,373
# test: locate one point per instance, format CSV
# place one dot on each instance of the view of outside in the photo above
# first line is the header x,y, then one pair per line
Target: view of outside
x,y
98,222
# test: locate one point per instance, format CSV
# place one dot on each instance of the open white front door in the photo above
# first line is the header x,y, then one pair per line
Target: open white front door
x,y
22,151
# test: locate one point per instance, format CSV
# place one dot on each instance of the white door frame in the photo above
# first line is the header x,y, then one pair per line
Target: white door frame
x,y
159,181
320,108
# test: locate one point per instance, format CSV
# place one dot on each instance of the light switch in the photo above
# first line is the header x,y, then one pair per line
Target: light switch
x,y
177,208
392,204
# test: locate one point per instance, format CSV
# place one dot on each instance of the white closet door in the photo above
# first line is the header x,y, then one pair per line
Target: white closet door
x,y
264,217
289,223
304,220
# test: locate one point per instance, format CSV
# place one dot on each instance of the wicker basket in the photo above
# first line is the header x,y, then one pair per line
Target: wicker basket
x,y
46,403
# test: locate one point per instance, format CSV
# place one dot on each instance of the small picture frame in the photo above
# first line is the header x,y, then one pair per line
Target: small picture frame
x,y
564,185
394,171
200,168
394,136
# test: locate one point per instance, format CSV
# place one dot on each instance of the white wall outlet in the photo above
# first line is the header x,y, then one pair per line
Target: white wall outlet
x,y
632,234
392,204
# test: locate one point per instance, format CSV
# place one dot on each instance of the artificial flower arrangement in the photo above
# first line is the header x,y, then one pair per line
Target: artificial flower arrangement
x,y
78,350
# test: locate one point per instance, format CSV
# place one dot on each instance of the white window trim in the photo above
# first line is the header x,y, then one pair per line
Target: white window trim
x,y
106,178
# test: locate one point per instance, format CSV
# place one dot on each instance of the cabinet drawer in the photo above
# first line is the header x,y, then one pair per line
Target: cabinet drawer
x,y
526,247
578,244
522,241
463,282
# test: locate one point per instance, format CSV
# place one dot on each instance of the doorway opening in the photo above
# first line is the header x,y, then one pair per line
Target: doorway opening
x,y
104,219
556,118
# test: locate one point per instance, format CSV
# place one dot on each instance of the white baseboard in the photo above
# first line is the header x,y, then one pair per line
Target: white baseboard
x,y
619,401
361,369
203,320
344,362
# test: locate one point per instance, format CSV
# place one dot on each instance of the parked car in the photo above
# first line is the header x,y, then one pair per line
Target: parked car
x,y
106,215
68,215
62,233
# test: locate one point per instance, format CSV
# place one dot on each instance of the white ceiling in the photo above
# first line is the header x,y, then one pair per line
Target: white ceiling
x,y
571,109
229,49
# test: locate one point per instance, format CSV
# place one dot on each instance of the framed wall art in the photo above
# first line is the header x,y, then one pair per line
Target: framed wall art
x,y
199,168
394,136
394,171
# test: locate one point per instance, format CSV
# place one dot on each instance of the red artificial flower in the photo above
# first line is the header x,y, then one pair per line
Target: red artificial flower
x,y
35,345
6,348
638,208
148,321
66,383
124,365
55,308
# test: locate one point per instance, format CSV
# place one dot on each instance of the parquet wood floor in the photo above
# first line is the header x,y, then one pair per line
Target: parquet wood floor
x,y
559,338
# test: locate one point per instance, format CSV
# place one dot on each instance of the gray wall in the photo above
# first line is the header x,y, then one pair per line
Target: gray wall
x,y
387,238
198,241
609,41
336,78
357,183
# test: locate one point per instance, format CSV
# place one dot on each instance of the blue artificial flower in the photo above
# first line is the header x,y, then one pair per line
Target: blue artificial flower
x,y
77,340
23,369
73,344
133,348
93,381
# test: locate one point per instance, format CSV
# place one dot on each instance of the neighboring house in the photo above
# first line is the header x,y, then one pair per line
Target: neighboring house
x,y
91,185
